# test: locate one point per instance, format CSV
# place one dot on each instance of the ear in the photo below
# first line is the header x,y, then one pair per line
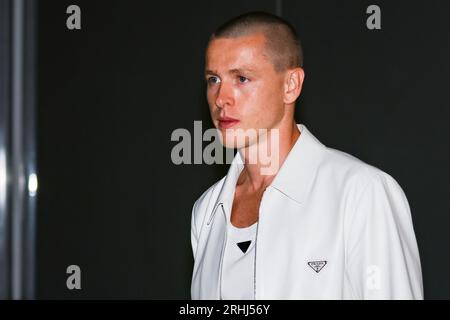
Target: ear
x,y
293,84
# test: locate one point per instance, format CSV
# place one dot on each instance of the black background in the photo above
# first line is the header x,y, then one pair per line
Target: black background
x,y
110,95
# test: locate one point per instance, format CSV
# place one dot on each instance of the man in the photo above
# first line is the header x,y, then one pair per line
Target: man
x,y
316,223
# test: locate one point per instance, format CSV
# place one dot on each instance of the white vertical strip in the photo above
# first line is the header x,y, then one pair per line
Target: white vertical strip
x,y
17,156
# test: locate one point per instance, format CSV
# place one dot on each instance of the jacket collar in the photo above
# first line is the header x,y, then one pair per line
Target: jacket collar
x,y
295,177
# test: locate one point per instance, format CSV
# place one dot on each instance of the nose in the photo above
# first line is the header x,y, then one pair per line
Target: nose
x,y
224,96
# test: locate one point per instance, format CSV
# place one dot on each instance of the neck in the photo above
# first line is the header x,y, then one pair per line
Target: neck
x,y
263,159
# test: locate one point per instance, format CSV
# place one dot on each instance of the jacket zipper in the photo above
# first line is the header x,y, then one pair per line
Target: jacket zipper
x,y
223,252
256,245
254,263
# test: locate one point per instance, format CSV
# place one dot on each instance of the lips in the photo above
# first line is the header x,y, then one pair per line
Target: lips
x,y
227,122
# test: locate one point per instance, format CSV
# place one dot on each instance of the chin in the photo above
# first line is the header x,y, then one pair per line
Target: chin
x,y
228,140
237,138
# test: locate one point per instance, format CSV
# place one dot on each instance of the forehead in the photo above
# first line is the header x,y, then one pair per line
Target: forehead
x,y
233,53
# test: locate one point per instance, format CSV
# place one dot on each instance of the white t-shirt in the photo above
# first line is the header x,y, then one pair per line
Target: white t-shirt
x,y
238,264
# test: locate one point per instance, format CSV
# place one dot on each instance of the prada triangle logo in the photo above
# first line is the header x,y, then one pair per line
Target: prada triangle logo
x,y
244,245
317,265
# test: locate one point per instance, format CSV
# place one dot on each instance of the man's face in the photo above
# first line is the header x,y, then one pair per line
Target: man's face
x,y
243,89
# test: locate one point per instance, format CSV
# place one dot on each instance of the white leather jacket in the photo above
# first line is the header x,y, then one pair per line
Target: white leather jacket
x,y
330,227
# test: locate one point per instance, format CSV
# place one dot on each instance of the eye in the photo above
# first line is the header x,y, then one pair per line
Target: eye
x,y
213,79
243,79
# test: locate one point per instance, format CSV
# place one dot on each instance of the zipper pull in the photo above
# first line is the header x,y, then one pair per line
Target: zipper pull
x,y
214,213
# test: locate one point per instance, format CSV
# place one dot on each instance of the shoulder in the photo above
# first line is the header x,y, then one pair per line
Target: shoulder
x,y
372,198
354,172
364,189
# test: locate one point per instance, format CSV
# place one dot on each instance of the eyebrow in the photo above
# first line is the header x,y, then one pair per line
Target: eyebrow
x,y
232,71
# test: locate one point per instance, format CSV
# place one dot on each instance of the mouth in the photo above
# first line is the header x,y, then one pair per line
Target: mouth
x,y
227,122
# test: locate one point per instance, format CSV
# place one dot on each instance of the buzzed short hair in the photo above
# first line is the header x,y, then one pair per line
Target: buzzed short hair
x,y
282,42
